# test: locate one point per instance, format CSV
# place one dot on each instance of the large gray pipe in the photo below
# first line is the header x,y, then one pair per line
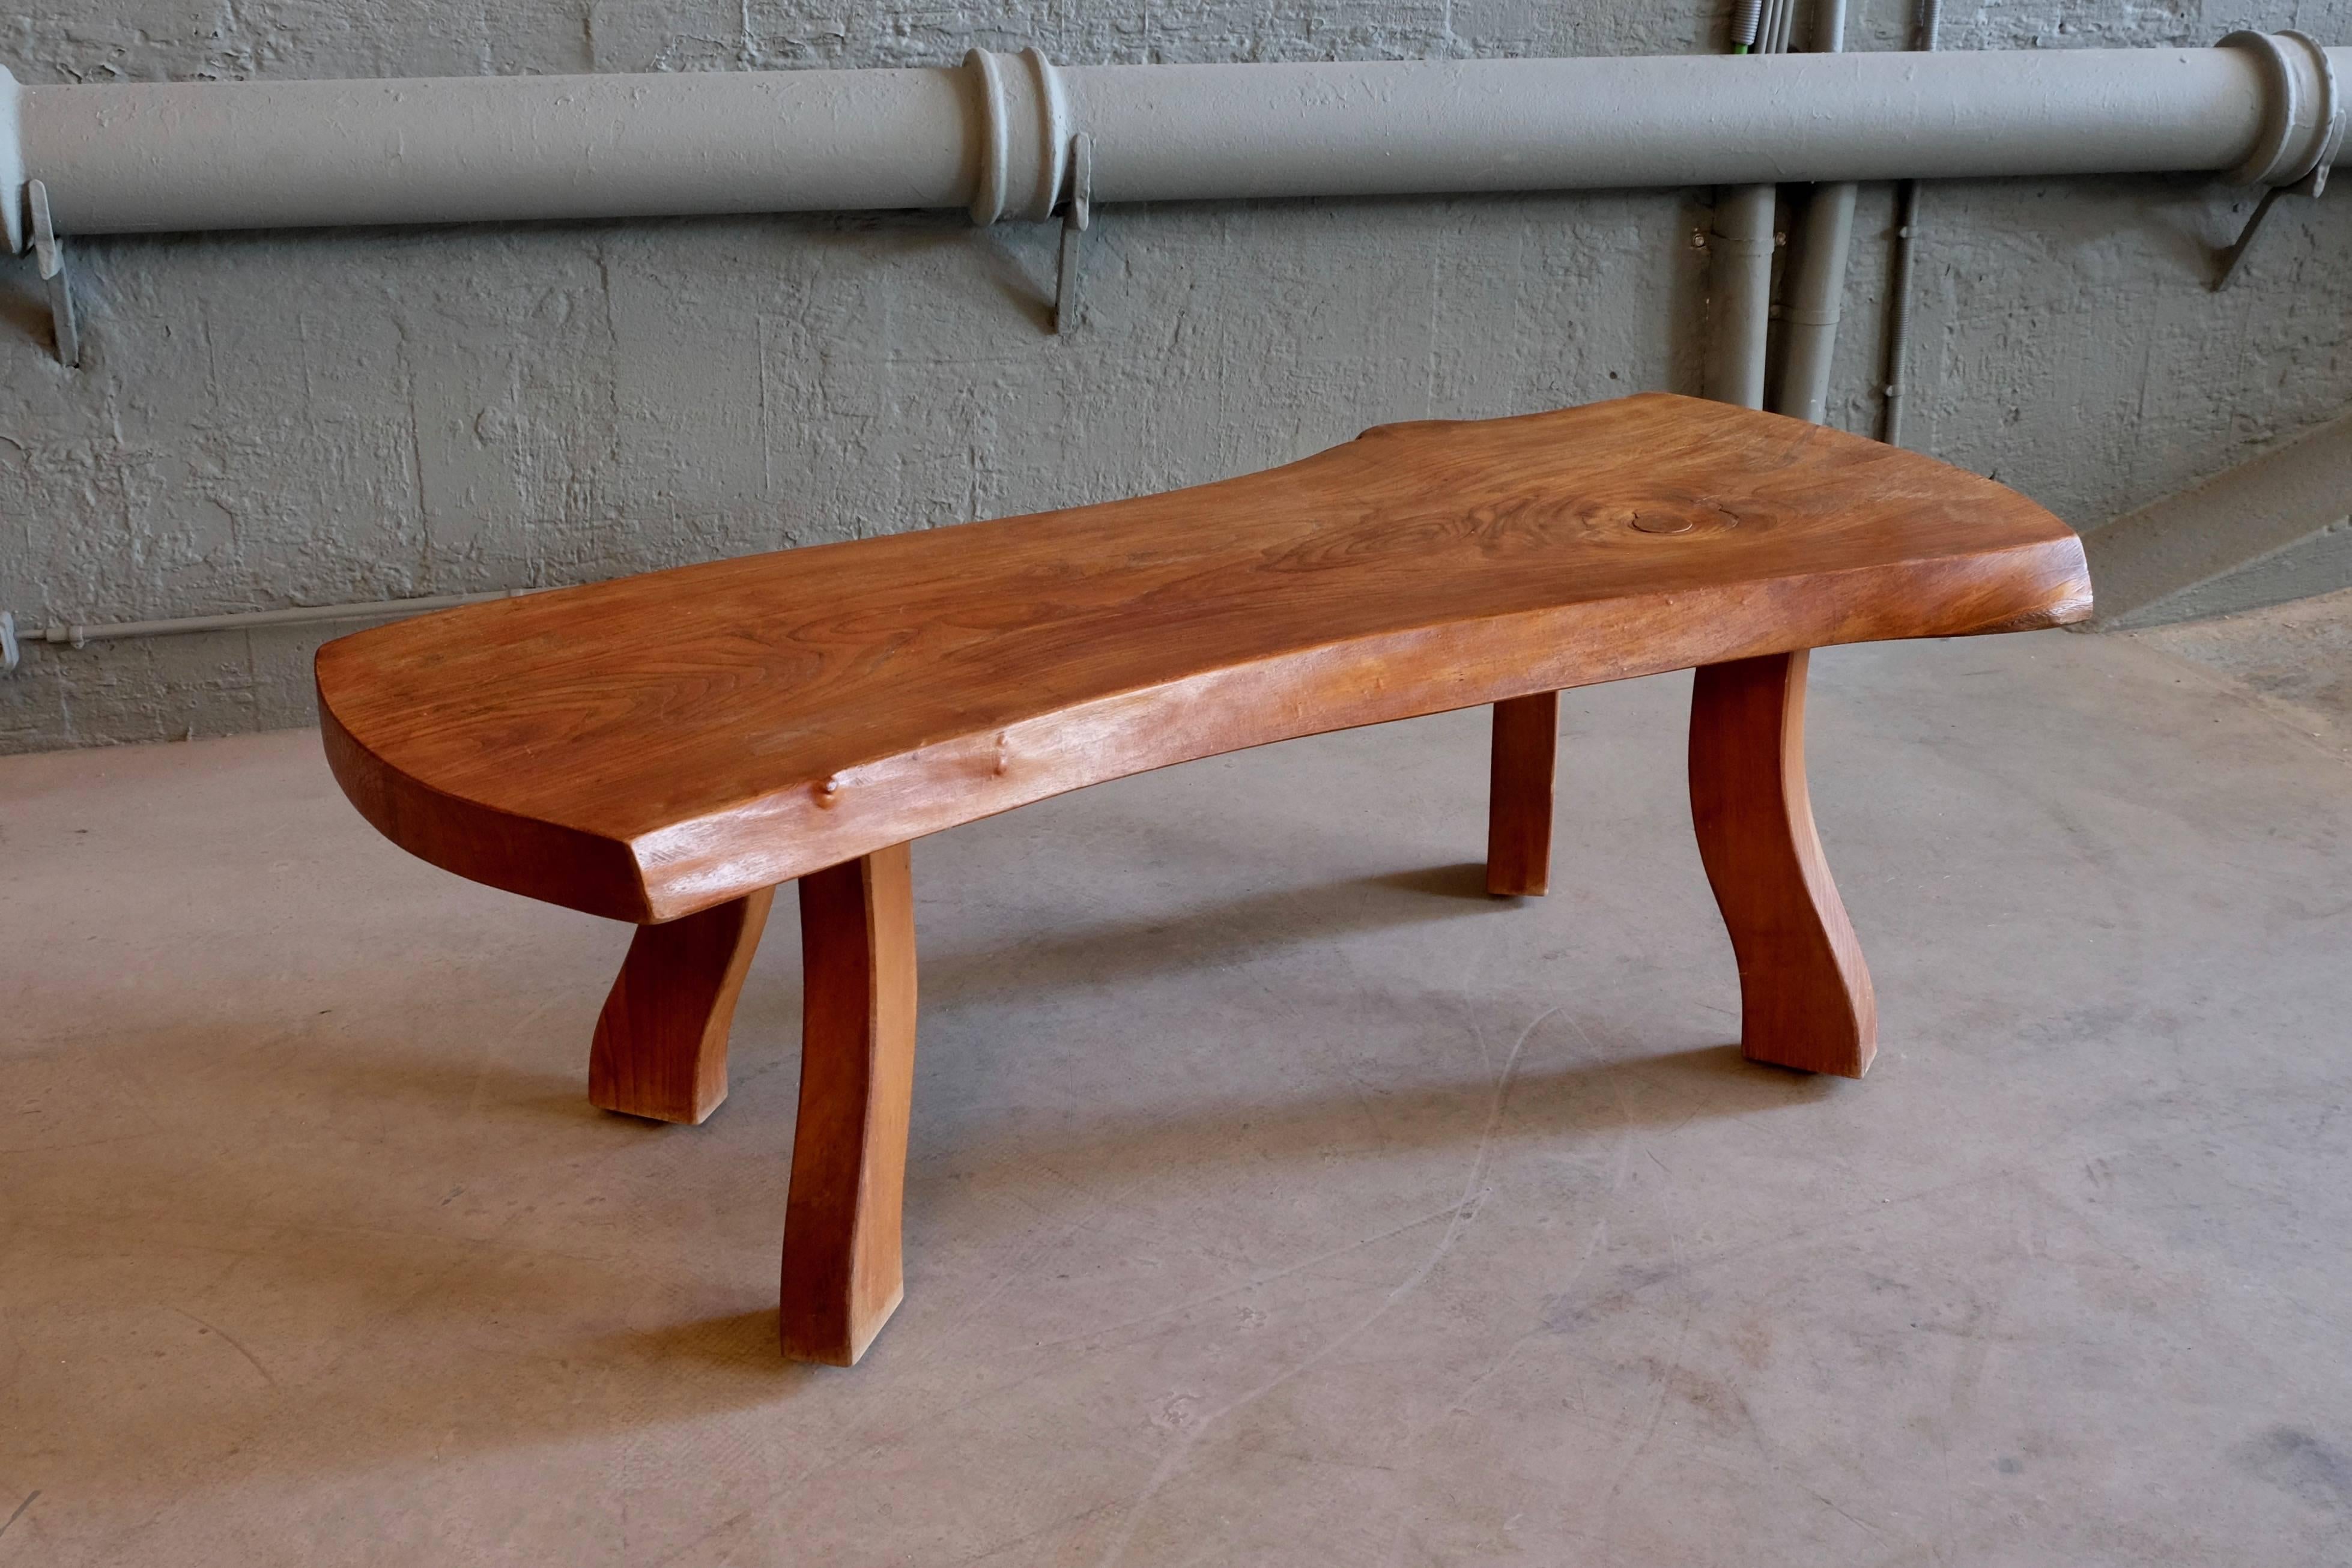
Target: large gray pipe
x,y
1740,273
1739,283
1816,292
281,155
1817,283
992,134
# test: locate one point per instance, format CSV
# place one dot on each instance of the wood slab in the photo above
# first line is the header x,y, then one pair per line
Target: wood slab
x,y
652,746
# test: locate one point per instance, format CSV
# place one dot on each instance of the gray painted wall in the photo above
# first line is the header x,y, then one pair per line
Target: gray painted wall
x,y
274,419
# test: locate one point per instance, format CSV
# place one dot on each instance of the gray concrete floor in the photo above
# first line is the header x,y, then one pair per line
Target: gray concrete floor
x,y
2296,656
1275,1199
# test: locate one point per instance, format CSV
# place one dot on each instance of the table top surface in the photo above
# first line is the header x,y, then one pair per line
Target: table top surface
x,y
654,745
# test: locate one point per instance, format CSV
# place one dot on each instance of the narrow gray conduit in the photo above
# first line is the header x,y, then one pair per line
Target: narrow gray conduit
x,y
1907,255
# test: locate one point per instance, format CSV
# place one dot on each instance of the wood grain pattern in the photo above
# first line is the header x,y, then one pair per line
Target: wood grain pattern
x,y
1805,1000
841,1267
660,1049
652,746
1519,795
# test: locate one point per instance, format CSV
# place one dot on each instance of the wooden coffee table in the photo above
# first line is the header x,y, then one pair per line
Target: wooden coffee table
x,y
665,749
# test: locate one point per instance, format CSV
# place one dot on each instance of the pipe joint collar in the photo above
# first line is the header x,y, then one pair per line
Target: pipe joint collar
x,y
2303,110
1024,139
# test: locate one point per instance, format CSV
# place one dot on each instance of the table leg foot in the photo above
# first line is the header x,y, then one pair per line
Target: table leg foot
x,y
1804,993
660,1049
1519,795
841,1266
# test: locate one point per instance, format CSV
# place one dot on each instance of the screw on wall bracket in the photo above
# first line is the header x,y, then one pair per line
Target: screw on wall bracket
x,y
1078,213
49,257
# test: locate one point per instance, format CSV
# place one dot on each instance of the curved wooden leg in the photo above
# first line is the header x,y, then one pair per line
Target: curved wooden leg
x,y
1804,994
1518,795
661,1042
841,1277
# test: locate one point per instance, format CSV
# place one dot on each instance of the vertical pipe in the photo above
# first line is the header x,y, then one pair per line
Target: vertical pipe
x,y
1907,241
1815,293
1817,287
1740,324
1898,314
11,165
1745,15
1741,274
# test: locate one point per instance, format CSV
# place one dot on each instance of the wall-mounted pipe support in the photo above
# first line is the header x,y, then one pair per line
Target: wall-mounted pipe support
x,y
49,260
2303,112
2305,103
1078,216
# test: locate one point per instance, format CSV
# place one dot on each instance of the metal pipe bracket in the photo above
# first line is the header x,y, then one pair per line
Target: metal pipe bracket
x,y
2302,116
49,260
1077,214
2304,122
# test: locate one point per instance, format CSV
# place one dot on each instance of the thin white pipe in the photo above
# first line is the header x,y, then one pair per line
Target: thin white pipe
x,y
75,634
119,157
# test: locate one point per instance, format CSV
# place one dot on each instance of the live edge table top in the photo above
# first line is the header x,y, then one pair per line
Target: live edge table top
x,y
649,747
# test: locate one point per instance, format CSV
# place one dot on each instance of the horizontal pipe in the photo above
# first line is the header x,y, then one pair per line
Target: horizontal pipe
x,y
271,154
991,134
76,634
1179,133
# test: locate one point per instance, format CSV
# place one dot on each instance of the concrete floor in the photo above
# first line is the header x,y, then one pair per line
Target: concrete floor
x,y
1275,1199
2296,656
